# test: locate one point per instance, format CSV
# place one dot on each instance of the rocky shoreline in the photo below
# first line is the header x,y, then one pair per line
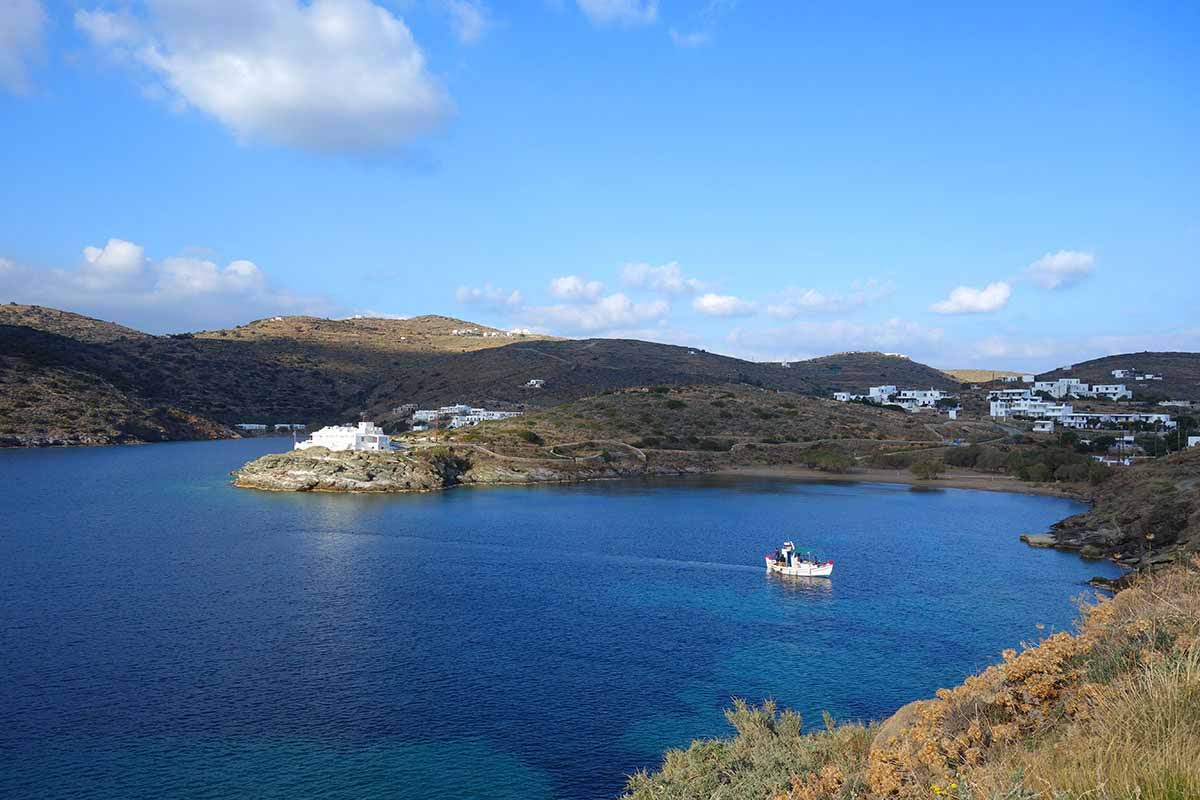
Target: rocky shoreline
x,y
429,469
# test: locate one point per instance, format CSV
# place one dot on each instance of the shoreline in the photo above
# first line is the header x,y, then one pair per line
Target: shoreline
x,y
952,479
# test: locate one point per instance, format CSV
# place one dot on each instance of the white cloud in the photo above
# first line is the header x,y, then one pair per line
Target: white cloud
x,y
622,12
327,76
488,295
722,305
1061,269
611,312
468,17
692,39
118,281
667,278
22,29
704,24
116,264
793,302
573,287
968,300
811,339
109,28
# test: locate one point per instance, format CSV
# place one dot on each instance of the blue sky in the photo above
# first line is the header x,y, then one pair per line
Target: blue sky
x,y
1009,186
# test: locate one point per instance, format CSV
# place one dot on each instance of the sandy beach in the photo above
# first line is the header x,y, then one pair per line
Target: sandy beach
x,y
951,479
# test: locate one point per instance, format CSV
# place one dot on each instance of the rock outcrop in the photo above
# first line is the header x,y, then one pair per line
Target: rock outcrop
x,y
1143,515
421,470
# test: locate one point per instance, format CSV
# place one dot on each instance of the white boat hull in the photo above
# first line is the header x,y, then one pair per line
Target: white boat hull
x,y
804,569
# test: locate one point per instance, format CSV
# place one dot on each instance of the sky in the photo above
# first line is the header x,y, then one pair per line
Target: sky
x,y
1000,186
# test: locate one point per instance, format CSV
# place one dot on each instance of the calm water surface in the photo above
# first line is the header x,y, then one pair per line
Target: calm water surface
x,y
163,635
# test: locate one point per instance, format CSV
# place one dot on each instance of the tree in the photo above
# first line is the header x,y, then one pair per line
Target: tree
x,y
928,469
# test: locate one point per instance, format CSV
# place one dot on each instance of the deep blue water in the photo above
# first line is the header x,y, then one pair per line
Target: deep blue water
x,y
163,635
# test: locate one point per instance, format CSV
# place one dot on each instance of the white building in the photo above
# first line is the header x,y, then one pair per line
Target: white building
x,y
881,394
535,383
1097,420
1113,391
1043,426
1010,394
478,415
843,397
1058,388
1029,408
251,426
922,397
1122,373
364,436
1193,441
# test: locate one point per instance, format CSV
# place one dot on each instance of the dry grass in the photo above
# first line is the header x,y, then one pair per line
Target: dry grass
x,y
1111,713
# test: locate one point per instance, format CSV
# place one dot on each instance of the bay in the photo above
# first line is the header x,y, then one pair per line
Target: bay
x,y
163,634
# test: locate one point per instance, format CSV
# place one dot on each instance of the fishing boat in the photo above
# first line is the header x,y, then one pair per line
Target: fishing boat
x,y
787,560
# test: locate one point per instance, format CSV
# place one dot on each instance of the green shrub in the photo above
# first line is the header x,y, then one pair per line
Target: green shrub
x,y
928,469
530,437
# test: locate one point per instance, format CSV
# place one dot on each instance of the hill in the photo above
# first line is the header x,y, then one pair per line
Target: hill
x,y
316,371
980,375
1180,373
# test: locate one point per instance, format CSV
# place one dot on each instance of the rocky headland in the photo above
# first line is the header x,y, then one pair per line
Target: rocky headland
x,y
434,468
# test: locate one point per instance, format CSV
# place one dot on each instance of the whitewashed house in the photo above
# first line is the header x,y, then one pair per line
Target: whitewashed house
x,y
1058,388
1029,408
881,394
922,397
1043,426
535,383
338,438
1193,441
251,426
1010,394
842,397
477,415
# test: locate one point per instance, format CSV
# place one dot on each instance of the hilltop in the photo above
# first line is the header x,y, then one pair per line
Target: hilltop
x,y
109,383
1180,373
981,375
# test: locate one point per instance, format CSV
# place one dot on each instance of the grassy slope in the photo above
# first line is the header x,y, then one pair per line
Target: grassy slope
x,y
721,419
1113,712
979,375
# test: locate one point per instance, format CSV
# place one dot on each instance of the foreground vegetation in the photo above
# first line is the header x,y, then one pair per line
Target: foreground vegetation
x,y
1112,712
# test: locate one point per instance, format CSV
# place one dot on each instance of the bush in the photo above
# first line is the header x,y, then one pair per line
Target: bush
x,y
530,437
928,469
675,404
827,459
963,456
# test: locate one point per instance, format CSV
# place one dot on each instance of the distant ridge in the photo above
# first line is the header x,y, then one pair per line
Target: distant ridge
x,y
70,379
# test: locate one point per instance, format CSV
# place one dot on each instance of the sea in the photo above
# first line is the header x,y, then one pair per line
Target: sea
x,y
165,635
